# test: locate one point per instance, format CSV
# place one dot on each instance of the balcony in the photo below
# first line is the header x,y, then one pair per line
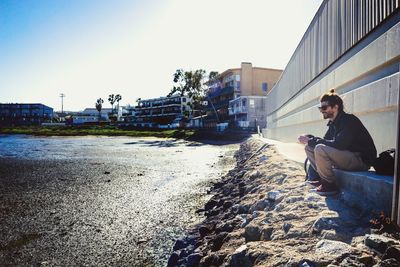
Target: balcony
x,y
237,110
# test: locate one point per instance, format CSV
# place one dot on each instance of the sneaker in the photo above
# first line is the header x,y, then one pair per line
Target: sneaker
x,y
326,189
315,183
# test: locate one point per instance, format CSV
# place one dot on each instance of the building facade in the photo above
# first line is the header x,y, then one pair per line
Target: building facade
x,y
234,83
24,114
248,112
161,112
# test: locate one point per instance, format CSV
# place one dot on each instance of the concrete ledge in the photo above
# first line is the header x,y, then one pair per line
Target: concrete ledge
x,y
366,191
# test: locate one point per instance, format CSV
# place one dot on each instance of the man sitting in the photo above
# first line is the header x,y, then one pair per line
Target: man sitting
x,y
347,145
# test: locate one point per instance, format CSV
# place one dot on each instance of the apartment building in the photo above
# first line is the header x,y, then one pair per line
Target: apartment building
x,y
248,112
24,114
161,112
235,83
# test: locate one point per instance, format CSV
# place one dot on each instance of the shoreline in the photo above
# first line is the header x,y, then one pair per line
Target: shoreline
x,y
262,213
96,131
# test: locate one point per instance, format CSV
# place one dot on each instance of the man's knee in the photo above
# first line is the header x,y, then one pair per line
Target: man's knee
x,y
320,149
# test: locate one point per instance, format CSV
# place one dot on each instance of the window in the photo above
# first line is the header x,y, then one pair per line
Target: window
x,y
244,102
183,99
264,87
252,103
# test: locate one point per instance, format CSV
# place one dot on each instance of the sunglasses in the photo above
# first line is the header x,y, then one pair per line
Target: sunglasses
x,y
324,107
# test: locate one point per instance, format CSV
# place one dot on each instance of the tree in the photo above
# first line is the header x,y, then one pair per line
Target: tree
x,y
213,76
190,83
117,99
111,99
99,106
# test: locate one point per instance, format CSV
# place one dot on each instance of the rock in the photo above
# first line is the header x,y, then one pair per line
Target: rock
x,y
333,248
325,223
388,263
286,227
307,263
193,260
210,260
255,174
179,244
259,205
294,199
252,233
210,204
329,234
312,198
239,258
378,242
366,259
275,196
173,259
227,205
257,214
279,207
392,252
218,241
266,233
203,231
262,159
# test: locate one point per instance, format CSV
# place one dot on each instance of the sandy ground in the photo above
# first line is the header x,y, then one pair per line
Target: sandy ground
x,y
101,201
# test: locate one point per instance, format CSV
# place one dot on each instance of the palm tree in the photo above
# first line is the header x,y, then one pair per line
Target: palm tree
x,y
99,105
118,98
112,99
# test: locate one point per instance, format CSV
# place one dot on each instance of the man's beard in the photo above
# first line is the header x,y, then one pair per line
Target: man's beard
x,y
327,115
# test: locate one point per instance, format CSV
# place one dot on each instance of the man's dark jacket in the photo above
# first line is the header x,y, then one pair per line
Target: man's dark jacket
x,y
347,132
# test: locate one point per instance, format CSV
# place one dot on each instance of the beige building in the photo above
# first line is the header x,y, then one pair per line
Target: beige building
x,y
234,83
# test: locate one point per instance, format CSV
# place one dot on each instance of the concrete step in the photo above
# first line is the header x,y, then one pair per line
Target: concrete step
x,y
366,191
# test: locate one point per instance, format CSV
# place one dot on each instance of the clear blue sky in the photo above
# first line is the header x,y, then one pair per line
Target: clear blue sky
x,y
91,48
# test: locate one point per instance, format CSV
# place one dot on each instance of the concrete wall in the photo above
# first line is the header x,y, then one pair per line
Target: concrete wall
x,y
366,75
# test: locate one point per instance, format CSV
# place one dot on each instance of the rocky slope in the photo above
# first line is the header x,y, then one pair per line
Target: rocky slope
x,y
262,213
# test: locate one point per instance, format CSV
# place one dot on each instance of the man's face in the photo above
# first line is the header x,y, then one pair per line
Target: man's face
x,y
327,111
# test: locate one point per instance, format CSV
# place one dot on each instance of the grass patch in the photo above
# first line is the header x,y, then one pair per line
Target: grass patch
x,y
95,130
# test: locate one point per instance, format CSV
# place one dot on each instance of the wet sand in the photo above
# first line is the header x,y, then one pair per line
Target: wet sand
x,y
122,202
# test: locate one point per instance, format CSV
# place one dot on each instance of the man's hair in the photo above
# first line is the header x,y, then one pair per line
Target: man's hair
x,y
333,99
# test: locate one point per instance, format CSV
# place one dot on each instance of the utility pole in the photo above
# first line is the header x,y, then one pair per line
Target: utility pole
x,y
62,95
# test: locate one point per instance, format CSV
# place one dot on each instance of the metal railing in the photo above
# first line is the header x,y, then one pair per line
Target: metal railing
x,y
335,29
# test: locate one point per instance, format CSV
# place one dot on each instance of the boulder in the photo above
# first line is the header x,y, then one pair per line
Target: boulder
x,y
255,174
239,258
388,263
275,196
325,223
252,233
333,248
173,259
378,242
179,244
218,241
392,252
193,260
259,205
266,233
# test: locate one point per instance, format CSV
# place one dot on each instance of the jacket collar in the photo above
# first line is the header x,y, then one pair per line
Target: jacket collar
x,y
337,119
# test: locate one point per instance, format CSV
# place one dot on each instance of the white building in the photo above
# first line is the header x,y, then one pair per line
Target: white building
x,y
248,111
163,112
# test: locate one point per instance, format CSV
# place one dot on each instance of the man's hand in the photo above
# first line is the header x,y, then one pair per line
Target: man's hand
x,y
303,139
